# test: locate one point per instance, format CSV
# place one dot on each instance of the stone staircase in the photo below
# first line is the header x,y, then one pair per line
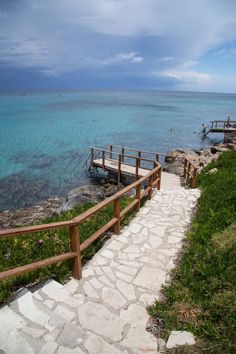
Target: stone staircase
x,y
105,312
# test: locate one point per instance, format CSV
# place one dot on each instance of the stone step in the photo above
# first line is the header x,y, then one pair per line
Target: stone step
x,y
28,325
56,296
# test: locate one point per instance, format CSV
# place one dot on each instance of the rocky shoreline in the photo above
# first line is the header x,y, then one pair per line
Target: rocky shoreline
x,y
56,205
200,158
96,193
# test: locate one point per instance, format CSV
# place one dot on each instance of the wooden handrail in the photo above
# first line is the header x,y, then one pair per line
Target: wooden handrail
x,y
132,149
124,155
75,246
190,171
221,121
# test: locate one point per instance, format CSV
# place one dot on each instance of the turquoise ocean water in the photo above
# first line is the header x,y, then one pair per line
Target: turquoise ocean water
x,y
45,135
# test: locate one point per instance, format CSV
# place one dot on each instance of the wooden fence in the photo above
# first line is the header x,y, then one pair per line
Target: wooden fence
x,y
153,179
190,172
222,124
122,159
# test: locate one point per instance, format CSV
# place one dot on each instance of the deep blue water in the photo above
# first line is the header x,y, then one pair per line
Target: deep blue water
x,y
45,135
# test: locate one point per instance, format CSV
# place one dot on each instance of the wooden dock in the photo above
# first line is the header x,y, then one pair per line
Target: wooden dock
x,y
113,165
222,126
123,161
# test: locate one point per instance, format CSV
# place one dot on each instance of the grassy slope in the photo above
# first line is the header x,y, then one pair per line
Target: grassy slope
x,y
17,251
202,295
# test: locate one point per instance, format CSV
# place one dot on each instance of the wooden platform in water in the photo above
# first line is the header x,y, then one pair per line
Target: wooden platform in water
x,y
222,126
112,165
222,130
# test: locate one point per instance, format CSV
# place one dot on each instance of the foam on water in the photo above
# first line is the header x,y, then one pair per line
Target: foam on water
x,y
44,136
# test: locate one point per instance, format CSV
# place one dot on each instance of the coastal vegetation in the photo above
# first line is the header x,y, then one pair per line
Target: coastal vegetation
x,y
201,296
18,251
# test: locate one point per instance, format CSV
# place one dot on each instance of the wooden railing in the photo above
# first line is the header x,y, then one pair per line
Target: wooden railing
x,y
223,124
121,158
190,172
153,178
140,153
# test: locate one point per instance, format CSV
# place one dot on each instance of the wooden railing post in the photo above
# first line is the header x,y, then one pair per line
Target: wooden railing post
x,y
117,215
75,247
123,154
111,147
159,181
193,183
92,156
138,197
139,156
103,158
150,184
185,167
137,166
119,168
188,171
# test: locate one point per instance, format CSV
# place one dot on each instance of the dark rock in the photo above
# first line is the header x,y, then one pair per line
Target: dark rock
x,y
198,152
154,325
214,150
112,189
84,194
32,215
170,159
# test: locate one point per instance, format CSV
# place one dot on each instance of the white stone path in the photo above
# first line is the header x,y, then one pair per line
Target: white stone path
x,y
105,312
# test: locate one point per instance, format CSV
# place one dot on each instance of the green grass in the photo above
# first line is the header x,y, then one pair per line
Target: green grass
x,y
202,295
22,250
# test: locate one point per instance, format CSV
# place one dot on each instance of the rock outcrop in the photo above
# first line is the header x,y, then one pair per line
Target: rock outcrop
x,y
200,158
56,205
31,215
84,194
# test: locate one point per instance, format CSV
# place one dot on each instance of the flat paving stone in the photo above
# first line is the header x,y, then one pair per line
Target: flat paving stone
x,y
150,278
113,298
99,319
70,336
96,344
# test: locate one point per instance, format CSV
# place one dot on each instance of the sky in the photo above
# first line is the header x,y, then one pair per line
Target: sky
x,y
186,45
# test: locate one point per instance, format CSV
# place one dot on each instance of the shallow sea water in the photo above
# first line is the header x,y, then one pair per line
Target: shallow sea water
x,y
45,135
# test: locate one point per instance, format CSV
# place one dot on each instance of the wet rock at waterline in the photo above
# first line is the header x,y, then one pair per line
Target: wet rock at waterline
x,y
200,158
55,205
31,215
88,193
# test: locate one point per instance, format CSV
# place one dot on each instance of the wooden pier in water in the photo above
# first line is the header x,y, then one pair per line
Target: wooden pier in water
x,y
122,162
222,126
129,164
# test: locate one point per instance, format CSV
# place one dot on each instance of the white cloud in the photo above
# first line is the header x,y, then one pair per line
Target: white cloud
x,y
186,77
165,59
226,52
129,57
190,63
